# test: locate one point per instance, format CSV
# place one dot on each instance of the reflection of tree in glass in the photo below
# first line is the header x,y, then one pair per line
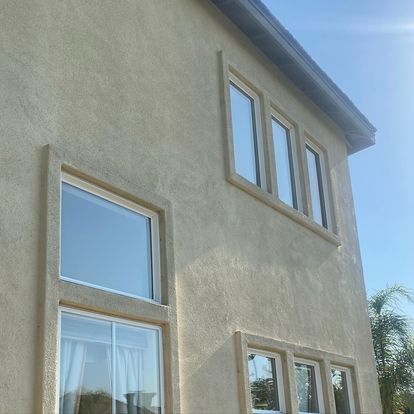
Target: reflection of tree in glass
x,y
340,392
263,382
263,394
306,389
100,402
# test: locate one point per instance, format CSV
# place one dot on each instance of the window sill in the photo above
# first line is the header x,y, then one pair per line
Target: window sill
x,y
267,198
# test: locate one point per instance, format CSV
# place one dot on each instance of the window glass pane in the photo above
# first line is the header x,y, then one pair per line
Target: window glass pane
x,y
306,388
263,382
108,367
244,135
316,190
137,370
104,244
85,365
284,164
341,393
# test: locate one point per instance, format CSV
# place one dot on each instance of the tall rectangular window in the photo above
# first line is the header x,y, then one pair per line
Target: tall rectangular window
x,y
342,388
247,140
108,242
308,387
316,184
108,366
265,379
286,172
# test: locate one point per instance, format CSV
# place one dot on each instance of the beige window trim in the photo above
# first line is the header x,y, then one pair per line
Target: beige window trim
x,y
288,353
268,194
57,292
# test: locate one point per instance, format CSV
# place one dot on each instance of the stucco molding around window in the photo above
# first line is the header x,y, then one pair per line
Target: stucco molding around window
x,y
58,292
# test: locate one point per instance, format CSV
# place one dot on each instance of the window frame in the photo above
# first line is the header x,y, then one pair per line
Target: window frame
x,y
132,206
261,179
267,194
318,382
111,319
294,162
323,183
279,377
349,385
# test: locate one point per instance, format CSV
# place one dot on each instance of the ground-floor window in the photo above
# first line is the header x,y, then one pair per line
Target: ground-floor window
x,y
108,365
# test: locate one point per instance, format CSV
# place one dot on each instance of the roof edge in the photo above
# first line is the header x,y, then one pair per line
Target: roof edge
x,y
274,40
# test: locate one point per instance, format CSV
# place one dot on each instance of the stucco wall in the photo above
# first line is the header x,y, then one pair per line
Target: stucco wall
x,y
133,87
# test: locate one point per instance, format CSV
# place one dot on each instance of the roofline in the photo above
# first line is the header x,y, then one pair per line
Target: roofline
x,y
256,21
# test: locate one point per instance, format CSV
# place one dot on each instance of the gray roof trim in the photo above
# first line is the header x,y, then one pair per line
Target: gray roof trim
x,y
267,34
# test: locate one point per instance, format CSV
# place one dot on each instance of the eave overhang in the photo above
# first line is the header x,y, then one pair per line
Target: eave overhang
x,y
268,35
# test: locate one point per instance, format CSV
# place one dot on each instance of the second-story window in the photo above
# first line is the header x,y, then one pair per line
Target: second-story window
x,y
108,242
317,185
247,141
287,179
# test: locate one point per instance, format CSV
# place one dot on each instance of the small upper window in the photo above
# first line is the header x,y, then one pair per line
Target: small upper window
x,y
285,162
317,184
247,145
308,387
342,387
108,242
265,379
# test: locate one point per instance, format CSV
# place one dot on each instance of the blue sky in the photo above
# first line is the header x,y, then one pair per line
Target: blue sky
x,y
367,48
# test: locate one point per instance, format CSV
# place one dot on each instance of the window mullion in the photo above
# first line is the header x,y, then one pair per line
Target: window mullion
x,y
113,379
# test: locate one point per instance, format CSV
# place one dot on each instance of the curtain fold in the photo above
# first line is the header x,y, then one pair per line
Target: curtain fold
x,y
129,376
72,364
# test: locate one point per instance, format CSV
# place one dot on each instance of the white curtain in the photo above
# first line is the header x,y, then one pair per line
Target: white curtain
x,y
129,375
72,363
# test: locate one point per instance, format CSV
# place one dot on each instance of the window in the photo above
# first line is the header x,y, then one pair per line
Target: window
x,y
285,162
108,242
317,185
265,380
308,387
342,388
247,140
108,366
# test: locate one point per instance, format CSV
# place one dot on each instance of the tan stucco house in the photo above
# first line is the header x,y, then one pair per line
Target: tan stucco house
x,y
177,224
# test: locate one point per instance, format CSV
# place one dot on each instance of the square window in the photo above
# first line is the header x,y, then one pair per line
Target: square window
x,y
265,380
308,387
108,365
247,134
286,165
318,185
342,388
108,242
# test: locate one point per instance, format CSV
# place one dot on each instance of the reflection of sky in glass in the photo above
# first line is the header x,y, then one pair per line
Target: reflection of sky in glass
x,y
104,244
242,113
283,156
313,166
340,387
91,348
306,388
263,382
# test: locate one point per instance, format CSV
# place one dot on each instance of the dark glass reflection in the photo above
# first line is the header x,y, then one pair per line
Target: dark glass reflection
x,y
263,382
284,164
316,187
244,135
104,244
306,388
341,393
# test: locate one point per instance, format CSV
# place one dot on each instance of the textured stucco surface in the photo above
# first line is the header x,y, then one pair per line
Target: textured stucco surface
x,y
133,86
